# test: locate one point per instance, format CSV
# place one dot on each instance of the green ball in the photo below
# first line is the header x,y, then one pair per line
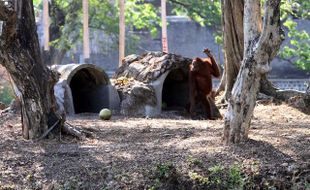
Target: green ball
x,y
105,114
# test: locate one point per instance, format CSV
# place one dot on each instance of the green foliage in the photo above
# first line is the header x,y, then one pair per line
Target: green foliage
x,y
296,8
235,178
37,4
209,13
218,177
206,13
201,180
194,161
307,185
164,170
299,49
298,52
103,16
71,28
6,94
218,39
246,175
142,16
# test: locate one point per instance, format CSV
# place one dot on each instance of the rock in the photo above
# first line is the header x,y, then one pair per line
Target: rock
x,y
264,99
135,97
296,101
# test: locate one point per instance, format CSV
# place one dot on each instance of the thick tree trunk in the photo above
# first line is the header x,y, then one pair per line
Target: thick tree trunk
x,y
261,49
232,21
34,82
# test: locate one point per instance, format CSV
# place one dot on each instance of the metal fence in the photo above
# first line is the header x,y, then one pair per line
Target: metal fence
x,y
285,84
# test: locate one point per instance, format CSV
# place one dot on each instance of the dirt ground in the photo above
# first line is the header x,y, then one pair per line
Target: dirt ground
x,y
125,153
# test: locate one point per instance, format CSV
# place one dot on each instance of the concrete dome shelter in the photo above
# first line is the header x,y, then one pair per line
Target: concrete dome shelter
x,y
159,82
84,88
154,82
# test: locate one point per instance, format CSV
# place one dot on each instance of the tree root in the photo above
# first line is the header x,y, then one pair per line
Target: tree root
x,y
68,129
48,131
75,131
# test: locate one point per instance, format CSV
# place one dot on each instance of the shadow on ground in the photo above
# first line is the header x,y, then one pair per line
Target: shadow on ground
x,y
140,153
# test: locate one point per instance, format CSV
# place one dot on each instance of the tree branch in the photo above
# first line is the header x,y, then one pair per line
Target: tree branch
x,y
189,7
180,3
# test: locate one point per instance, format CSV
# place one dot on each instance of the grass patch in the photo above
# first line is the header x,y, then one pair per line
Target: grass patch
x,y
6,94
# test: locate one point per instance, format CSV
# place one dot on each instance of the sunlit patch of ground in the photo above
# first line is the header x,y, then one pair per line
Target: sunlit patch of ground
x,y
124,151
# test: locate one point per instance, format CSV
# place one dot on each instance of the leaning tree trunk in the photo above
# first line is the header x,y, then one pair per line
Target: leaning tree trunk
x,y
261,49
232,21
33,81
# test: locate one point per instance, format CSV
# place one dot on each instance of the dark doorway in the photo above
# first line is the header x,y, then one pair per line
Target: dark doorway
x,y
89,91
175,93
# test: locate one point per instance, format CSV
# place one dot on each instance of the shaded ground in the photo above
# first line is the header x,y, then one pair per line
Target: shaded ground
x,y
128,153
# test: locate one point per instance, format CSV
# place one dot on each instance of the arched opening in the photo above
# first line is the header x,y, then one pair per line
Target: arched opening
x,y
89,89
175,93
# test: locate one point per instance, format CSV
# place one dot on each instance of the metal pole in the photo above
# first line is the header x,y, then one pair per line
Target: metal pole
x,y
164,38
46,25
86,51
121,31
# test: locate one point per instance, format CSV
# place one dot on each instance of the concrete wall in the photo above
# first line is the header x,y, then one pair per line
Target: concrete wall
x,y
186,38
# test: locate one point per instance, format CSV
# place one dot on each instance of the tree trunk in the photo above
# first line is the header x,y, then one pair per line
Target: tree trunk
x,y
232,21
55,55
260,50
233,40
33,81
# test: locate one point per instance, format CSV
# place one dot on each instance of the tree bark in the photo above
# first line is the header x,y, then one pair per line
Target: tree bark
x,y
261,49
33,81
232,21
